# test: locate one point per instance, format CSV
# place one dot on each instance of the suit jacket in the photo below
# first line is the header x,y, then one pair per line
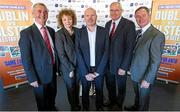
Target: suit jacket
x,y
147,55
35,57
121,46
101,51
66,50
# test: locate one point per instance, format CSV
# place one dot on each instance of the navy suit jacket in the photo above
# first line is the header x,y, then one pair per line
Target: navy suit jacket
x,y
121,45
35,57
101,51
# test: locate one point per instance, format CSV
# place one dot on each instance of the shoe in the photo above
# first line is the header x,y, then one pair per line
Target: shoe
x,y
85,109
131,108
99,109
54,109
119,107
76,108
108,103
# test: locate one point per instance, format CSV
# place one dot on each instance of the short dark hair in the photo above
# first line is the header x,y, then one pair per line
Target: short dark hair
x,y
143,7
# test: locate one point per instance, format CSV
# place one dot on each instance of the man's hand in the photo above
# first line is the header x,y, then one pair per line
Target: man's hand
x,y
96,74
90,76
71,74
145,84
121,71
34,84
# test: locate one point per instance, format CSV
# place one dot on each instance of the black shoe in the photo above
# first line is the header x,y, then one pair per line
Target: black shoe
x,y
54,109
119,107
85,109
108,103
76,108
131,108
99,109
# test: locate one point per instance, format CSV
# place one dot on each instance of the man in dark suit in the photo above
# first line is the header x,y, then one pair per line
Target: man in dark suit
x,y
92,56
39,58
122,37
146,59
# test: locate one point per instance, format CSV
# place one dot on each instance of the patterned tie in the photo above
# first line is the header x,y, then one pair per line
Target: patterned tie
x,y
112,31
139,34
46,39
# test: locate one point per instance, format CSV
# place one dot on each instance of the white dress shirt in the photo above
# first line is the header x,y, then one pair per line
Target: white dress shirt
x,y
49,36
92,45
116,23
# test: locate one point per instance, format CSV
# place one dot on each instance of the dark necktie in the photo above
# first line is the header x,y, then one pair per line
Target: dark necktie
x,y
46,39
139,35
112,31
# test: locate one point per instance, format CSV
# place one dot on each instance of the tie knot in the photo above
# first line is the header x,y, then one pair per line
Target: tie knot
x,y
139,31
43,28
114,23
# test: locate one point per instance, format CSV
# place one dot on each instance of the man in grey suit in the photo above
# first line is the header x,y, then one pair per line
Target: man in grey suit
x,y
146,59
122,38
39,58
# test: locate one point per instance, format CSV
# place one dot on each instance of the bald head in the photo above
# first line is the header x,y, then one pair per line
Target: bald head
x,y
90,10
90,16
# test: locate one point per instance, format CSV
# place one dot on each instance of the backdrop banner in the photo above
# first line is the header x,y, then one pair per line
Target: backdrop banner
x,y
15,15
166,18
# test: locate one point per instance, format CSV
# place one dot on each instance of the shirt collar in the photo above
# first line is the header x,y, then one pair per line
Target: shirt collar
x,y
94,29
146,27
117,21
39,25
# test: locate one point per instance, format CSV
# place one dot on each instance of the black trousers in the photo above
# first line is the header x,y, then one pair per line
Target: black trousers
x,y
98,83
72,86
142,96
111,80
45,95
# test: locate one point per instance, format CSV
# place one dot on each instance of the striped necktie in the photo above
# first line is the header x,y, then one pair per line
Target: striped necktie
x,y
48,44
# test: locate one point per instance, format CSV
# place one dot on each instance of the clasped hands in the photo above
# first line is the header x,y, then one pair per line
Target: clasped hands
x,y
91,76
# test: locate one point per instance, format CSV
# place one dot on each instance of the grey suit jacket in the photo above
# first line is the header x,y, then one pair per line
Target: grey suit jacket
x,y
66,50
147,55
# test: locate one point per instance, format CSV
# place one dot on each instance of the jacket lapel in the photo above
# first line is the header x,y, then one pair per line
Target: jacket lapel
x,y
86,50
118,28
144,36
37,35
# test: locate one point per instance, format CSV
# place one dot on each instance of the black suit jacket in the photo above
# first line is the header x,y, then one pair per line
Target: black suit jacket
x,y
101,50
121,46
35,57
66,50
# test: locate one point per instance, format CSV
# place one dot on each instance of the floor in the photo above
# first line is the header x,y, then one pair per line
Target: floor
x,y
164,97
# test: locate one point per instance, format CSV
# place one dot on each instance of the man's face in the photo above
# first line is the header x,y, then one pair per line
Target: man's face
x,y
90,17
40,14
115,11
142,17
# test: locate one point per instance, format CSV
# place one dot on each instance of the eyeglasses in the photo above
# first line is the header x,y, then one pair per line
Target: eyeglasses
x,y
114,10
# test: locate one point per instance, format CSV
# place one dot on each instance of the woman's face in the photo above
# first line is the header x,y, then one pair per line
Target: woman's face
x,y
67,21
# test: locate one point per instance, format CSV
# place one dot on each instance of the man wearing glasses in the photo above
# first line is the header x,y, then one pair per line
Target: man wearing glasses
x,y
122,39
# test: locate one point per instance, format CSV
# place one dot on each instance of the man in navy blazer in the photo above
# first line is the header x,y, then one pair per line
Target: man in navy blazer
x,y
92,57
146,59
122,41
38,61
